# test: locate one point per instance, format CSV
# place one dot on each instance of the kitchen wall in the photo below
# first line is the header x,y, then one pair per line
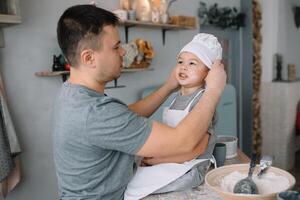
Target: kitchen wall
x,y
280,35
29,48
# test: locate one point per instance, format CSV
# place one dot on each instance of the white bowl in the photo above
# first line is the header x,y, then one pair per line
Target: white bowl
x,y
213,180
231,145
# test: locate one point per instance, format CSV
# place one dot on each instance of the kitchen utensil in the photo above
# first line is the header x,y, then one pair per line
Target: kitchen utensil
x,y
247,185
265,162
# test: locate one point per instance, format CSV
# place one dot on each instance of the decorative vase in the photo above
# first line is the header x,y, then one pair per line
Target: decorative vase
x,y
163,9
155,16
125,4
143,10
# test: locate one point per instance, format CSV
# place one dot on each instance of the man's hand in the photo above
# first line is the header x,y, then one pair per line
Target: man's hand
x,y
216,77
172,83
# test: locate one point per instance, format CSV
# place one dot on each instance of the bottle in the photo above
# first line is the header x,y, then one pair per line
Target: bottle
x,y
143,10
164,11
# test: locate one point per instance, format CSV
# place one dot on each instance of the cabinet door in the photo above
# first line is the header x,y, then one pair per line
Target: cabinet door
x,y
230,42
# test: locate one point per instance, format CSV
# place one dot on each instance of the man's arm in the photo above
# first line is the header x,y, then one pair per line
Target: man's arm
x,y
147,106
165,141
200,149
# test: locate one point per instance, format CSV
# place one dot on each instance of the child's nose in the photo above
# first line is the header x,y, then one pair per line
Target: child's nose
x,y
183,67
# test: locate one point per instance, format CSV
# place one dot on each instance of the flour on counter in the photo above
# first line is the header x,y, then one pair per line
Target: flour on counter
x,y
268,183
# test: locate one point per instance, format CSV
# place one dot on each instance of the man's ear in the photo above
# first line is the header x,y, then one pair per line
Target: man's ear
x,y
87,57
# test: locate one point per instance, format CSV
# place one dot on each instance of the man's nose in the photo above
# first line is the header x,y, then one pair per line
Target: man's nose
x,y
122,51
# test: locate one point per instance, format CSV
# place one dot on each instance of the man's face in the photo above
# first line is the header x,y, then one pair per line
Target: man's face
x,y
110,56
190,70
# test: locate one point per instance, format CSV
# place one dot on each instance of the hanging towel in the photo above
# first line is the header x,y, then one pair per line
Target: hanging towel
x,y
9,127
6,162
298,119
9,149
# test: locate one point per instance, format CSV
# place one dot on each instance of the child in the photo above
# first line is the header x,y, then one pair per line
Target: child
x,y
193,63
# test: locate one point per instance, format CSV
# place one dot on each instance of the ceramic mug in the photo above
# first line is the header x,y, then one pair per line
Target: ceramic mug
x,y
220,154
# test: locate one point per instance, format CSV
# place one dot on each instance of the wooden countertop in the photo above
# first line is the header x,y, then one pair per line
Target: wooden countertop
x,y
202,192
239,159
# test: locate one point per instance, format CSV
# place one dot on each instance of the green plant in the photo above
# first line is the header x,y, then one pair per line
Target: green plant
x,y
225,17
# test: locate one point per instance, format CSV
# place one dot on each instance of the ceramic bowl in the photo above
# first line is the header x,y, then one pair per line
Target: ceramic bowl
x,y
213,180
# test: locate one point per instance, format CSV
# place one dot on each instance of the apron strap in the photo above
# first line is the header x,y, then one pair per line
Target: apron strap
x,y
191,102
173,101
213,161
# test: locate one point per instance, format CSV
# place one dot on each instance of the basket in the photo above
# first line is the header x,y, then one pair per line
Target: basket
x,y
183,20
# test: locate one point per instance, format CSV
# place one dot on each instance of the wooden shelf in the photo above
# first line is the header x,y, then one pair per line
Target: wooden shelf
x,y
153,25
64,74
59,73
164,27
126,70
6,20
50,73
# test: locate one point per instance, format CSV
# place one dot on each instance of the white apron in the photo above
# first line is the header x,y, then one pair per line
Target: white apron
x,y
152,178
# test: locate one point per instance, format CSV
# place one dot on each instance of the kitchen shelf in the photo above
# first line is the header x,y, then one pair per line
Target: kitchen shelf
x,y
153,25
7,20
64,74
9,12
164,27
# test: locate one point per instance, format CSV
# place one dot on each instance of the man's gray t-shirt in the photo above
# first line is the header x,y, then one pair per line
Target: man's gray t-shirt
x,y
95,138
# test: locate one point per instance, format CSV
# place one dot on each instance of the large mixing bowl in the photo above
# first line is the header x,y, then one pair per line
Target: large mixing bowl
x,y
213,180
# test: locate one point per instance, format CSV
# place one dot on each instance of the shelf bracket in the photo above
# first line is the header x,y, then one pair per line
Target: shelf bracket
x,y
115,85
164,35
64,77
126,32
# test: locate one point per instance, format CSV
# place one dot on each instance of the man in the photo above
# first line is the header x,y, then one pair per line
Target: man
x,y
96,136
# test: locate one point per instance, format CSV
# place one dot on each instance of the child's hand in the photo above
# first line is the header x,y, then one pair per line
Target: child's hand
x,y
216,77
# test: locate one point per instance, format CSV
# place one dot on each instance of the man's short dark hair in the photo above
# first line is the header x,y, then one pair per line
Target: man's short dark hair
x,y
79,27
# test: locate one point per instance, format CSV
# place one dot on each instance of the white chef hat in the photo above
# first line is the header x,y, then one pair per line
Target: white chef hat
x,y
206,47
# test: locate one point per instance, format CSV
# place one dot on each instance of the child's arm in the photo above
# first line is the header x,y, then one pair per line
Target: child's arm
x,y
179,158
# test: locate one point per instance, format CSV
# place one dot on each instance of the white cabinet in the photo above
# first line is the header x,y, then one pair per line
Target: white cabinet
x,y
278,116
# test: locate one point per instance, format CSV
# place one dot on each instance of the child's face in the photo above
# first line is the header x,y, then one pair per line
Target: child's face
x,y
190,70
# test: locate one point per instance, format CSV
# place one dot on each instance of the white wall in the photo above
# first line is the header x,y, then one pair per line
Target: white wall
x,y
280,35
29,48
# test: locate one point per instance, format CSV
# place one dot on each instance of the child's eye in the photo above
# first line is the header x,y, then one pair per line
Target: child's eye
x,y
179,62
192,63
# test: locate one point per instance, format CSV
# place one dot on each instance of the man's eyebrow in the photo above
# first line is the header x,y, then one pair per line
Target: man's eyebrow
x,y
117,44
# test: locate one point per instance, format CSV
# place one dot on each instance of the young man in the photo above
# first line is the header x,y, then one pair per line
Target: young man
x,y
95,136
